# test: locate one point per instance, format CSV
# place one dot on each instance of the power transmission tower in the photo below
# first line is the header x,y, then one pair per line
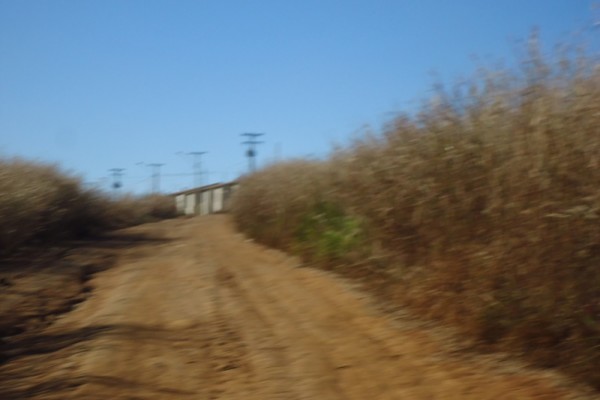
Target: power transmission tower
x,y
155,176
251,151
197,166
117,174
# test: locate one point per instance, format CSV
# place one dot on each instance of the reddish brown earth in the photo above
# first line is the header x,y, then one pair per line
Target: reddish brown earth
x,y
198,312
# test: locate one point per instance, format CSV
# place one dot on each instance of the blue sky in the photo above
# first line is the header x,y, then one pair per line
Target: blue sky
x,y
94,85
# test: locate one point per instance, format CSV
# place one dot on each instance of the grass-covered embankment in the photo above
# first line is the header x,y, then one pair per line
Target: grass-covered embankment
x,y
481,210
41,204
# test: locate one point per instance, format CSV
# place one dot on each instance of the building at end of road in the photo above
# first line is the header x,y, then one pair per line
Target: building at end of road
x,y
204,200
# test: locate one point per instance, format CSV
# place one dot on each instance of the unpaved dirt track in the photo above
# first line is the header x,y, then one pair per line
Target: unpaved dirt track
x,y
205,314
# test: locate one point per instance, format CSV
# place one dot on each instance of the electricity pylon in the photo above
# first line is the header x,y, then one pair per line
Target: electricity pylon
x,y
251,151
155,176
117,174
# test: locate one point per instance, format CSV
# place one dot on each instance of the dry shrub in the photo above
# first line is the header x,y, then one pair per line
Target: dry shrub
x,y
272,203
39,203
135,210
489,200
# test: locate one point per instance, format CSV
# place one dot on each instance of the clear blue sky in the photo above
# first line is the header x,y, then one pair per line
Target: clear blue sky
x,y
94,85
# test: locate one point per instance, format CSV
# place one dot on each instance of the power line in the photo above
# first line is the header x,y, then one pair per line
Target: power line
x,y
251,151
117,175
177,174
198,173
155,176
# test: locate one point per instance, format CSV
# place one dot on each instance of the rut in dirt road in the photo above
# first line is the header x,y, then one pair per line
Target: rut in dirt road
x,y
206,314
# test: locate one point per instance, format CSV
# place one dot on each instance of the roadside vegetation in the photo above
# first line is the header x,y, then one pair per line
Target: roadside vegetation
x,y
481,210
40,204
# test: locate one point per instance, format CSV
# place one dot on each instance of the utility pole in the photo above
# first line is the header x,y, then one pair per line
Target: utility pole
x,y
197,166
155,176
117,174
251,151
198,181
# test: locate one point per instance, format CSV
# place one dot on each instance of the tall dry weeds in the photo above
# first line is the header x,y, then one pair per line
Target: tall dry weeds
x,y
39,203
486,206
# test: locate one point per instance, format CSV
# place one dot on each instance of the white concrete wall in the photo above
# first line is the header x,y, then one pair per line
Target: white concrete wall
x,y
180,203
217,200
190,204
205,203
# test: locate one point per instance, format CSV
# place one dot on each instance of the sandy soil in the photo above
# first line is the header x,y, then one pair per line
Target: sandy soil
x,y
199,312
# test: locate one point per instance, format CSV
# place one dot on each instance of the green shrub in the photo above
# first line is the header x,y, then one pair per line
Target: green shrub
x,y
325,233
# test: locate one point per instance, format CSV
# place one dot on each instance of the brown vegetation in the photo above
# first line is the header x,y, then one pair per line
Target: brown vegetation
x,y
39,203
482,210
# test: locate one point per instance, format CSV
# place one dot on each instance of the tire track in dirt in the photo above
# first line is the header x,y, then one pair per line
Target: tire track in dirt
x,y
264,351
306,368
162,353
365,356
206,314
332,373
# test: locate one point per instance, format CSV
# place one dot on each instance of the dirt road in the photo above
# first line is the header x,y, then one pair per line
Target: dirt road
x,y
201,313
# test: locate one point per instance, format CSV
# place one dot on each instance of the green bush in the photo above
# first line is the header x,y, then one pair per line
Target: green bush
x,y
327,234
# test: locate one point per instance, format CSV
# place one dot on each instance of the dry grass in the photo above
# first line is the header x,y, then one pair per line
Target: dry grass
x,y
39,203
483,210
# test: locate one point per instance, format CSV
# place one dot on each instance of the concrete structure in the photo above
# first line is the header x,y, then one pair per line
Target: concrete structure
x,y
205,200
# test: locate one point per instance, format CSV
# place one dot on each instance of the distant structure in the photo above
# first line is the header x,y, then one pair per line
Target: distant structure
x,y
251,151
204,200
155,176
197,166
117,175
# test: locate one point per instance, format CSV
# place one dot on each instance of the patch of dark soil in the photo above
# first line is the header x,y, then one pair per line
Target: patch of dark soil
x,y
29,344
119,240
39,283
15,380
34,290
